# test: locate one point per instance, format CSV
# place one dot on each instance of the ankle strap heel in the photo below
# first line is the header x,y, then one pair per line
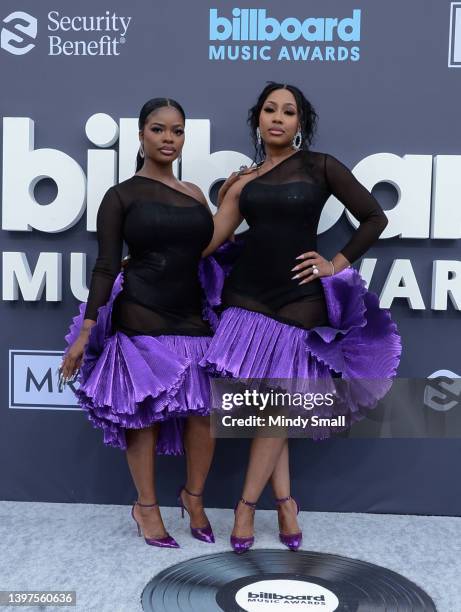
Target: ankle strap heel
x,y
190,492
204,534
165,542
281,500
241,545
293,540
247,503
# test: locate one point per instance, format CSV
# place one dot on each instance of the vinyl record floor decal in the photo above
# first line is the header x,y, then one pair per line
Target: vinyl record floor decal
x,y
266,579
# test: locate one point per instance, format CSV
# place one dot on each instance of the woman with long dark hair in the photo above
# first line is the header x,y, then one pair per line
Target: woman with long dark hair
x,y
137,341
287,311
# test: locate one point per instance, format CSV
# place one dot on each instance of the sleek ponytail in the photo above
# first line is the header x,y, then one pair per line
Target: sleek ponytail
x,y
149,107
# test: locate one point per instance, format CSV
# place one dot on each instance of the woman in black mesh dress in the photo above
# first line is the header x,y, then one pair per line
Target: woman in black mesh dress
x,y
139,337
287,312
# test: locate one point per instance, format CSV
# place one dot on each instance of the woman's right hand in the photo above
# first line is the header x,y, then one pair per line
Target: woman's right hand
x,y
73,358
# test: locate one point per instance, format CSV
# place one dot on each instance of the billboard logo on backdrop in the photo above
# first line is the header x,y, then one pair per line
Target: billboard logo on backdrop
x,y
424,183
454,47
249,34
68,35
12,37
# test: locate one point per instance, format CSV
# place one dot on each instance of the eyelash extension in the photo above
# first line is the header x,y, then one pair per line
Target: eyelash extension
x,y
271,110
178,132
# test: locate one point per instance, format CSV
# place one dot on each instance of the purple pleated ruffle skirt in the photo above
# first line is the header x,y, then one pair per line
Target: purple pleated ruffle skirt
x,y
361,346
134,382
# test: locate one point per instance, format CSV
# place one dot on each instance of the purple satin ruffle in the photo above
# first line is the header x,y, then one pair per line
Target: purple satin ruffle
x,y
361,344
134,382
212,272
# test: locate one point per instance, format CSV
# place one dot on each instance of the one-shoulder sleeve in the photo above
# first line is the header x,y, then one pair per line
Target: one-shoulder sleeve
x,y
109,226
360,202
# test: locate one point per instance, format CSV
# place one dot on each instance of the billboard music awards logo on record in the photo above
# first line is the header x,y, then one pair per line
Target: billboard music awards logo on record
x,y
282,593
76,35
252,34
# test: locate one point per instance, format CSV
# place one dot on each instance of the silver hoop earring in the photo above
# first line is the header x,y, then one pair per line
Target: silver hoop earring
x,y
258,136
297,141
141,151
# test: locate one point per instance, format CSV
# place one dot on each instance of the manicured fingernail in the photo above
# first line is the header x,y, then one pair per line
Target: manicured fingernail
x,y
293,269
302,282
296,276
300,257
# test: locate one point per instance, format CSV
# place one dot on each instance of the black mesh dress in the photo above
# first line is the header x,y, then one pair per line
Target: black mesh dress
x,y
140,365
304,339
166,231
282,208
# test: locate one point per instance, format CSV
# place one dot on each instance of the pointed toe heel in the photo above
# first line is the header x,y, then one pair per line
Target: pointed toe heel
x,y
241,545
165,542
293,540
203,534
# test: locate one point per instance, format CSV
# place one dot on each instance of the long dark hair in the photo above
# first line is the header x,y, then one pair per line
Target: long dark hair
x,y
147,109
307,117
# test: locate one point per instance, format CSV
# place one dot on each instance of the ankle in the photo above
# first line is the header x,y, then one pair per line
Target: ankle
x,y
244,510
287,503
145,509
193,502
192,491
146,500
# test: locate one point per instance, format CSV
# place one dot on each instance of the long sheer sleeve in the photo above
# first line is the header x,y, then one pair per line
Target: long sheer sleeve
x,y
109,224
360,202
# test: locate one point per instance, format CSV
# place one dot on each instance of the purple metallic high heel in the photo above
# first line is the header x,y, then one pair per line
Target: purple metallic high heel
x,y
293,540
204,534
166,542
241,545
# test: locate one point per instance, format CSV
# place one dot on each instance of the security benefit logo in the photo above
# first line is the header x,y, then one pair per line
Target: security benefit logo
x,y
18,31
255,35
443,392
33,381
454,47
66,35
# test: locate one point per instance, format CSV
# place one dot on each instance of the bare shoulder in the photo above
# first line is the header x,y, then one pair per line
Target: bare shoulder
x,y
194,191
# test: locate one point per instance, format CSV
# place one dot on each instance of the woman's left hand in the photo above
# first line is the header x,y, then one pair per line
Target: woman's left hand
x,y
311,261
